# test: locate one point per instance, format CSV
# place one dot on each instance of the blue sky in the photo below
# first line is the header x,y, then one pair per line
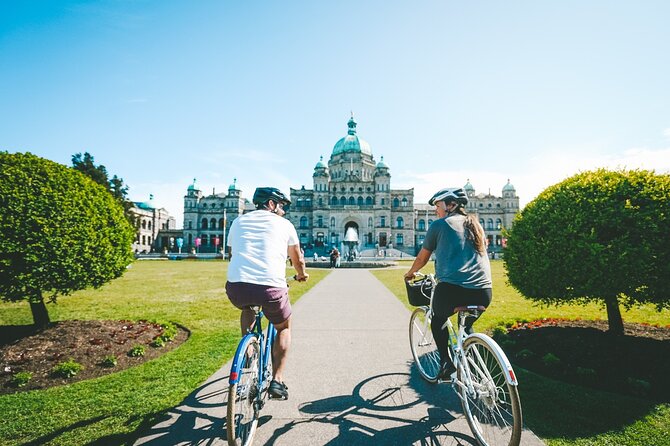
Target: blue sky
x,y
164,91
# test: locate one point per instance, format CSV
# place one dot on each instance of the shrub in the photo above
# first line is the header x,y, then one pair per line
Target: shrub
x,y
20,379
110,361
525,354
600,235
551,360
138,350
67,369
59,232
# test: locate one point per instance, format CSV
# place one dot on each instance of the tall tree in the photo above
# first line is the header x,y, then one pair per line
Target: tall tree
x,y
59,232
601,235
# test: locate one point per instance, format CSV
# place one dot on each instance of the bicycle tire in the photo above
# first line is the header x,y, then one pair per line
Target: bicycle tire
x,y
493,411
422,344
243,396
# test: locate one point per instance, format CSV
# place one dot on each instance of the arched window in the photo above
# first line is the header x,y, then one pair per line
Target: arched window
x,y
490,224
332,222
396,202
481,222
220,223
351,200
203,240
369,222
319,221
498,224
368,201
149,225
333,200
343,201
404,202
399,239
360,201
422,225
320,201
400,223
303,222
382,221
212,223
430,221
204,223
144,224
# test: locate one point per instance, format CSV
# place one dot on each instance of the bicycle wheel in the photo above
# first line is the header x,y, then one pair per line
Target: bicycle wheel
x,y
243,408
492,406
421,341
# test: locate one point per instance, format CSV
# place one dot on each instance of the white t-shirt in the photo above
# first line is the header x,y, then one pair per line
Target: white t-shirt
x,y
259,242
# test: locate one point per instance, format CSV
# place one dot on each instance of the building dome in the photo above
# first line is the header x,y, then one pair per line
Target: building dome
x,y
192,185
234,185
381,164
148,205
320,164
508,187
468,186
351,142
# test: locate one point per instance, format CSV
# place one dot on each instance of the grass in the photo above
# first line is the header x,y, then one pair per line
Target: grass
x,y
563,414
109,410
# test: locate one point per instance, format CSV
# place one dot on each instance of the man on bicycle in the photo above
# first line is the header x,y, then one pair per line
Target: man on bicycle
x,y
259,242
462,266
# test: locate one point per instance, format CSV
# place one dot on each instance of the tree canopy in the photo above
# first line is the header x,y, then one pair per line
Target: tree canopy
x,y
600,235
59,232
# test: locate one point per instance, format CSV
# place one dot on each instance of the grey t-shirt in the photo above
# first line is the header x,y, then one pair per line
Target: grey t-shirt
x,y
456,260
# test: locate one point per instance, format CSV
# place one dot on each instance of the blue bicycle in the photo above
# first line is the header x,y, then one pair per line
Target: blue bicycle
x,y
250,377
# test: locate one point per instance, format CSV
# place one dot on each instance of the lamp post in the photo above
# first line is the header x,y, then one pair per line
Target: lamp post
x,y
223,241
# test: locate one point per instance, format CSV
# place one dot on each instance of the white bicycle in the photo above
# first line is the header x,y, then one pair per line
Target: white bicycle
x,y
484,380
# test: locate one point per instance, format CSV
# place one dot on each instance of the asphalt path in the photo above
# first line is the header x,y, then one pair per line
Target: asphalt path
x,y
351,381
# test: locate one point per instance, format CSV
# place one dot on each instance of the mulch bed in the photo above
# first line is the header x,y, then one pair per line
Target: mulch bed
x,y
582,352
86,342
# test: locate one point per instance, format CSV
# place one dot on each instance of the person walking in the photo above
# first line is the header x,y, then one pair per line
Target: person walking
x,y
259,243
462,267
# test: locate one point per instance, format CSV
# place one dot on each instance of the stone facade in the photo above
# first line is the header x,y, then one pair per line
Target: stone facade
x,y
151,221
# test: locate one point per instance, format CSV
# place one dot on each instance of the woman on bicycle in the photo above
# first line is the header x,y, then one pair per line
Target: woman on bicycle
x,y
462,266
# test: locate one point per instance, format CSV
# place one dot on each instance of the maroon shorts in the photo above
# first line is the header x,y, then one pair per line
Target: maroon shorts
x,y
273,300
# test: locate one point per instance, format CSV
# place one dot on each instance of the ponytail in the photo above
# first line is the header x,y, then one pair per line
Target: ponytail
x,y
473,231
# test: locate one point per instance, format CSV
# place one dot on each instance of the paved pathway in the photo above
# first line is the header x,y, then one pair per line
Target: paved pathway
x,y
350,377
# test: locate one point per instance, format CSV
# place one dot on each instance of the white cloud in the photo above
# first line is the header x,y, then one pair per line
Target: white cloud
x,y
666,133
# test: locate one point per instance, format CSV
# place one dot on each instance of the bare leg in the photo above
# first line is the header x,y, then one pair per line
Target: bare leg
x,y
247,319
280,348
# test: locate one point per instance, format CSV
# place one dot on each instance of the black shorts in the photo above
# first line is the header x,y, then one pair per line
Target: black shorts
x,y
449,296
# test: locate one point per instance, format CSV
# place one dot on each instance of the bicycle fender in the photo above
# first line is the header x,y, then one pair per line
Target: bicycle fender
x,y
239,358
510,376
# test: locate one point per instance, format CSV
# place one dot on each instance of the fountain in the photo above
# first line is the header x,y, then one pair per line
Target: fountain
x,y
351,241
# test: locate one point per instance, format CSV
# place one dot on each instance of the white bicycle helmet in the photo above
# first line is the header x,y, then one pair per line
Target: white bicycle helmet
x,y
449,194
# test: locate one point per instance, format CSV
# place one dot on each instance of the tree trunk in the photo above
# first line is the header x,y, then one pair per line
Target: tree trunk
x,y
39,310
614,319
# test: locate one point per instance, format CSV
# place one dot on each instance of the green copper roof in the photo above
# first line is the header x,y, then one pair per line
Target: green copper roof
x,y
508,187
468,186
320,164
351,142
381,164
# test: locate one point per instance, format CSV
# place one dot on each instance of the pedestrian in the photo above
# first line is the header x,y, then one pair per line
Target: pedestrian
x,y
462,267
259,242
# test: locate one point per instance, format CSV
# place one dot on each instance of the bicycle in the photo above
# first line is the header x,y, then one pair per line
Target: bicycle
x,y
484,379
249,379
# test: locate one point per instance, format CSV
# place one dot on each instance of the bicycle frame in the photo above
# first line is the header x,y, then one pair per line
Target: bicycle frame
x,y
265,341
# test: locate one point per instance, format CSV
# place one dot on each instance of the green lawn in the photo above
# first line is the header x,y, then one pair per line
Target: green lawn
x,y
563,414
109,409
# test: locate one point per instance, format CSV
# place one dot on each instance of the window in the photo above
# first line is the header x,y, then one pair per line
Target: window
x,y
220,223
404,202
369,222
396,202
203,240
498,224
204,223
360,201
190,225
481,222
149,225
430,221
144,224
343,201
320,201
489,224
332,222
352,201
303,222
382,221
368,201
399,239
212,223
319,221
400,223
383,201
333,201
422,225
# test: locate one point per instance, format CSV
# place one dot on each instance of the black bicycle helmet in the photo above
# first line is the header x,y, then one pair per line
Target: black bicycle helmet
x,y
449,194
265,194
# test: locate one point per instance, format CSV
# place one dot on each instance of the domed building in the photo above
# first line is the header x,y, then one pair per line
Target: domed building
x,y
353,191
351,205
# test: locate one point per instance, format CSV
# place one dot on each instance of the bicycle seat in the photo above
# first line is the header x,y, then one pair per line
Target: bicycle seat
x,y
470,308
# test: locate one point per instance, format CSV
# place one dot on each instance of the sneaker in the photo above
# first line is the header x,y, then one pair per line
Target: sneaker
x,y
446,372
278,390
